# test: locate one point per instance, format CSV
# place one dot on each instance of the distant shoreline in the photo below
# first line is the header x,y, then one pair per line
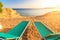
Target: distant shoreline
x,y
25,8
36,8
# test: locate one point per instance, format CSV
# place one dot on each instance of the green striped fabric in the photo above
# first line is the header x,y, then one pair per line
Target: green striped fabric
x,y
42,29
17,31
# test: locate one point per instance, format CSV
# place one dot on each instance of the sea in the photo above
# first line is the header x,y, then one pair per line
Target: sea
x,y
32,12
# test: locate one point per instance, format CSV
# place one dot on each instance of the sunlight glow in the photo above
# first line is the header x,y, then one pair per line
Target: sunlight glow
x,y
0,26
49,3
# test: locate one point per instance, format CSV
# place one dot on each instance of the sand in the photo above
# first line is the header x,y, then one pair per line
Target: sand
x,y
51,20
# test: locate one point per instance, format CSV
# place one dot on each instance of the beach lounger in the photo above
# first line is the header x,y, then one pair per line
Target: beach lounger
x,y
16,32
45,33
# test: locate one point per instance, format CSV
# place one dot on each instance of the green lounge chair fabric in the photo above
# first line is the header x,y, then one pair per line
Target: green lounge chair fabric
x,y
53,37
7,35
43,31
17,31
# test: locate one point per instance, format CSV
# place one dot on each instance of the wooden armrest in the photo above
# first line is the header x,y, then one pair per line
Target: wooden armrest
x,y
12,38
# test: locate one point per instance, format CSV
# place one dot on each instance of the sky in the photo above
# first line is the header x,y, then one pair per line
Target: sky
x,y
30,3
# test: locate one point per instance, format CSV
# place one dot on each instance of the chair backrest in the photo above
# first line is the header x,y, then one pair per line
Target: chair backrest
x,y
18,29
42,29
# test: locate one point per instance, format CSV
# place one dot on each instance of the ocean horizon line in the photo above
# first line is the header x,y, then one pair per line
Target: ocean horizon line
x,y
37,8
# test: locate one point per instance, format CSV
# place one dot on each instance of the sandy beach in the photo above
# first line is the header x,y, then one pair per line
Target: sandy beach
x,y
51,20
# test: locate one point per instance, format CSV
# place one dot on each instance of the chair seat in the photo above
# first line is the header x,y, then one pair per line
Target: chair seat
x,y
53,37
4,35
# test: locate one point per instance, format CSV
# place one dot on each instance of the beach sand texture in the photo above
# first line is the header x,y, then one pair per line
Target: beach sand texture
x,y
51,20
